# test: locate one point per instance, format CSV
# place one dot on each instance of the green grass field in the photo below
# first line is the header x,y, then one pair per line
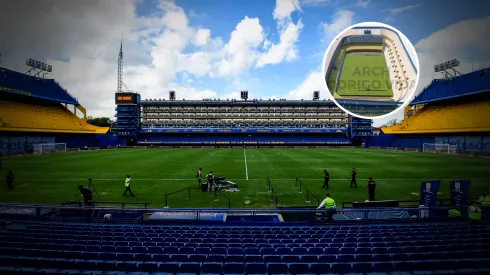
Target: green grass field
x,y
365,74
53,179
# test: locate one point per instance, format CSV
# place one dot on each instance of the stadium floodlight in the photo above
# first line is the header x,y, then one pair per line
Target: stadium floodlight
x,y
451,64
244,95
316,95
35,64
171,95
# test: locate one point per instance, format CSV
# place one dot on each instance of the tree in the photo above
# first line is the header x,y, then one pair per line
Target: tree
x,y
100,121
390,123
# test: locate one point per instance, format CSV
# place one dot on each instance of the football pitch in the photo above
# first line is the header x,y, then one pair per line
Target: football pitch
x,y
365,74
53,178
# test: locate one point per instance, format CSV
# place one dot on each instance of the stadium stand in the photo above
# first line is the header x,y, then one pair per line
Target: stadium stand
x,y
349,249
31,104
34,110
447,111
252,122
457,105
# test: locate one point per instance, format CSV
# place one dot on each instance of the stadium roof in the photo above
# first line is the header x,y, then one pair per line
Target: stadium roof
x,y
22,84
464,85
236,102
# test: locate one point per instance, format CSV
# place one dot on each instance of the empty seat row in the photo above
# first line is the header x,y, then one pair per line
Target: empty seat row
x,y
244,268
243,258
251,249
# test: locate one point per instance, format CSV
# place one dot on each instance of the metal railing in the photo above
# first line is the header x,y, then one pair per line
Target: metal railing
x,y
273,196
440,202
309,194
216,193
178,191
123,203
26,212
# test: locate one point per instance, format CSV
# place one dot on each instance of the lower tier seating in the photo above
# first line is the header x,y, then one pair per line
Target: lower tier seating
x,y
30,114
379,249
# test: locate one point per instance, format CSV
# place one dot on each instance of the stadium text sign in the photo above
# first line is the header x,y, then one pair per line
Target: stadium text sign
x,y
466,143
459,192
428,194
22,144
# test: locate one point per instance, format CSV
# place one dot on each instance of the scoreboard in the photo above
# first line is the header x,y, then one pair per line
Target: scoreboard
x,y
126,98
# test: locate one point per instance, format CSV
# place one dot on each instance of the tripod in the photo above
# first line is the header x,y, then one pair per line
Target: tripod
x,y
91,186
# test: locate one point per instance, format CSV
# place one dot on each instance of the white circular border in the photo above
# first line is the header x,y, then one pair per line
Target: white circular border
x,y
373,24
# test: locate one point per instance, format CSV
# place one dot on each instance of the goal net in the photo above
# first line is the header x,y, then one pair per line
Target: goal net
x,y
439,148
45,148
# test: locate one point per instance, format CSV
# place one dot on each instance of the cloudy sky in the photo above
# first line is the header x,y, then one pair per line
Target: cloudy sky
x,y
215,48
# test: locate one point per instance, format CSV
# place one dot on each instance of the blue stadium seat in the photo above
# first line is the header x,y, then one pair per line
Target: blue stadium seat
x,y
298,268
277,268
233,268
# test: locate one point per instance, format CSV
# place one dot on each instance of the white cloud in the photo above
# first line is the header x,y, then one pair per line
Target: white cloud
x,y
313,82
241,50
284,8
285,49
396,11
289,31
202,36
341,20
363,3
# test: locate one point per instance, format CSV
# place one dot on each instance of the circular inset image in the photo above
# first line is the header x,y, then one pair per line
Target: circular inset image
x,y
371,70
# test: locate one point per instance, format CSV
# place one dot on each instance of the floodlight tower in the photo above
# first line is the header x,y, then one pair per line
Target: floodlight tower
x,y
120,70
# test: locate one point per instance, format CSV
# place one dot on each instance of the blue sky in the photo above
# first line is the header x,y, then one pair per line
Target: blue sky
x,y
416,19
215,48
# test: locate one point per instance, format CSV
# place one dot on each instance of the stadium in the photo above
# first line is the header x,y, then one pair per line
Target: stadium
x,y
370,66
268,158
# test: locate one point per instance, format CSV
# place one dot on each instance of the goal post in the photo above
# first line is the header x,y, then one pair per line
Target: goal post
x,y
45,148
439,148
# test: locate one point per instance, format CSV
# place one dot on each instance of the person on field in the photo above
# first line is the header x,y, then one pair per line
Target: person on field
x,y
371,185
210,180
10,180
127,183
326,177
199,177
87,195
329,205
353,175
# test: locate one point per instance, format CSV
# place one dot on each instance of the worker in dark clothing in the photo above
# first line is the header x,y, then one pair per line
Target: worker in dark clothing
x,y
10,180
353,175
87,195
210,180
371,185
326,176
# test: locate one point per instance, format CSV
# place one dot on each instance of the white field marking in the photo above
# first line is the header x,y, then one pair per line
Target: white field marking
x,y
23,185
439,193
416,194
246,167
265,155
193,179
